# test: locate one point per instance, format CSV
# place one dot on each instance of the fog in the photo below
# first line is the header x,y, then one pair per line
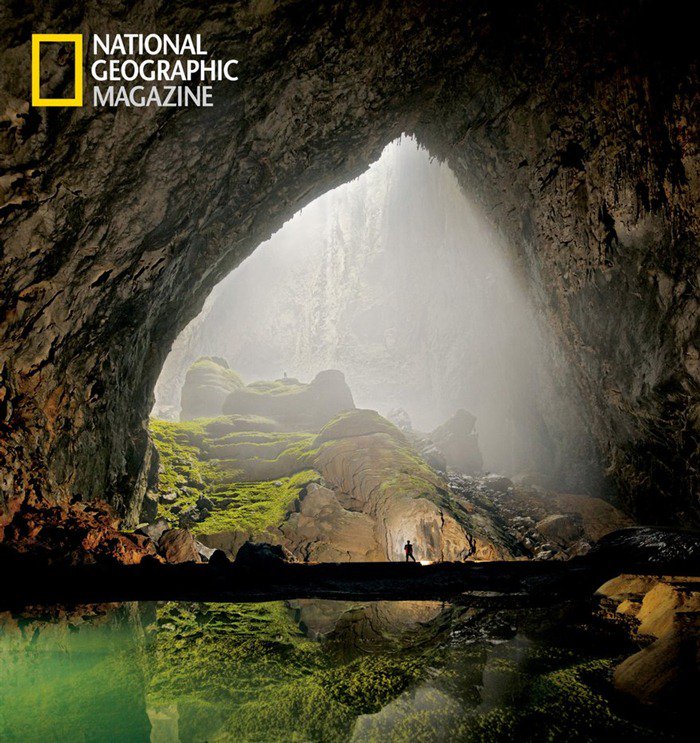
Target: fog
x,y
397,280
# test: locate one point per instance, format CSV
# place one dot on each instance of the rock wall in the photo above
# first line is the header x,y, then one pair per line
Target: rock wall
x,y
575,125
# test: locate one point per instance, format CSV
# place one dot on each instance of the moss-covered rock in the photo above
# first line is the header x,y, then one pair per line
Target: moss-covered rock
x,y
354,492
208,383
295,406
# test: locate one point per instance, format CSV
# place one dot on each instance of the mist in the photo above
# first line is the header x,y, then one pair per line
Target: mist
x,y
399,281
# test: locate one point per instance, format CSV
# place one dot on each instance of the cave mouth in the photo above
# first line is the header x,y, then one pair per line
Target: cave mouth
x,y
589,169
393,296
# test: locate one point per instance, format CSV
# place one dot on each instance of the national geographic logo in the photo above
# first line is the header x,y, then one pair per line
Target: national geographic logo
x,y
132,70
77,41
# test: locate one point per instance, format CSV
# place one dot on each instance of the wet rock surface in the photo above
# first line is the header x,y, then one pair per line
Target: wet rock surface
x,y
538,523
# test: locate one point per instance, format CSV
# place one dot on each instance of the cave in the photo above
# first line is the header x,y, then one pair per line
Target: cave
x,y
571,129
573,126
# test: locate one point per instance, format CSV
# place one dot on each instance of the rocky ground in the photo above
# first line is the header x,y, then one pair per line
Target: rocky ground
x,y
544,524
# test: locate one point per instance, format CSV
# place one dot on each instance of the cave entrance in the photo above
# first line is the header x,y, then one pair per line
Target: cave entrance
x,y
391,293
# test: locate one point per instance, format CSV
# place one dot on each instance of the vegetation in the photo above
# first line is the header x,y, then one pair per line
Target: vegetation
x,y
212,372
276,387
196,462
247,672
253,476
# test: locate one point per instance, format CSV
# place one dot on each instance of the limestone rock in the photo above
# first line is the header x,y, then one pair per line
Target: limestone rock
x,y
208,383
204,552
665,673
666,609
372,468
323,531
80,533
459,443
562,529
149,507
178,545
294,406
262,555
497,483
155,530
122,257
596,516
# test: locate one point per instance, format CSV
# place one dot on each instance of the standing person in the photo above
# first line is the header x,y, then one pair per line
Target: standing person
x,y
408,549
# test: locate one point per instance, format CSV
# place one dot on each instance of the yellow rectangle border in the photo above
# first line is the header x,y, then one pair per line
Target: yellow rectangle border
x,y
77,99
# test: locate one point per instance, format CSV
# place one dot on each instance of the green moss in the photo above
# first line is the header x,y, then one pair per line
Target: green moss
x,y
194,463
253,507
276,387
255,476
225,377
246,672
239,423
370,682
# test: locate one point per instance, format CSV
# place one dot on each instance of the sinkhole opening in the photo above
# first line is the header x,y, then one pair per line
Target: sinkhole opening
x,y
375,358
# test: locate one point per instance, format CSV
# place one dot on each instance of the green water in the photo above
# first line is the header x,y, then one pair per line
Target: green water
x,y
312,671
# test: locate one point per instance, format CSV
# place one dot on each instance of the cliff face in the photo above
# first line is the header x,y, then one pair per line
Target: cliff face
x,y
574,124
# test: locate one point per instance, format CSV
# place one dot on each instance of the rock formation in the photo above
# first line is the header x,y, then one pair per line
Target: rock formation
x,y
662,614
353,492
208,383
459,443
573,124
295,406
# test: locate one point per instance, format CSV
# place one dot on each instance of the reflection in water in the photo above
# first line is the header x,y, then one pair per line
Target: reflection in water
x,y
310,671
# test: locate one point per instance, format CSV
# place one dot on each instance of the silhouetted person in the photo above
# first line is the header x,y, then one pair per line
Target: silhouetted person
x,y
408,549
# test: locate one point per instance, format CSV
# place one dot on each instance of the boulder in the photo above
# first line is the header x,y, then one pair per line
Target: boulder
x,y
256,555
76,533
323,531
178,545
560,529
203,551
204,503
459,443
355,423
154,531
665,673
497,483
218,560
208,383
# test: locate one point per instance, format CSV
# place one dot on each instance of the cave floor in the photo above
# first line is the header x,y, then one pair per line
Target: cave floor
x,y
34,583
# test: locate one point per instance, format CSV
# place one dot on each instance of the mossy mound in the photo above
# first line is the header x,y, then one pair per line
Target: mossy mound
x,y
358,422
295,406
251,478
208,383
373,491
